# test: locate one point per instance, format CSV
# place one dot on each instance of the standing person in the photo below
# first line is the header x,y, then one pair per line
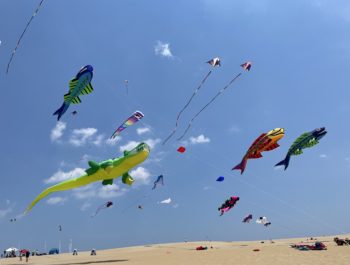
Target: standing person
x,y
27,255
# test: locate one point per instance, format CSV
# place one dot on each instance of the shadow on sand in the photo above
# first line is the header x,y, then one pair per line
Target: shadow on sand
x,y
95,262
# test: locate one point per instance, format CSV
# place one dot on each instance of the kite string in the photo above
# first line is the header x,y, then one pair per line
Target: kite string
x,y
186,105
24,31
202,109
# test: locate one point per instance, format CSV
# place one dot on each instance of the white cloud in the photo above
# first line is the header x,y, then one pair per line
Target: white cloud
x,y
56,200
201,139
57,131
61,175
80,137
152,142
130,145
323,156
141,175
85,192
110,191
113,141
163,49
5,212
98,140
142,130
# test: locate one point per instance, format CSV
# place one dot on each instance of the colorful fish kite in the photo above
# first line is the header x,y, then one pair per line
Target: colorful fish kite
x,y
220,179
24,31
265,142
105,171
247,219
159,182
213,62
103,206
247,66
181,149
306,140
228,205
211,101
79,85
135,117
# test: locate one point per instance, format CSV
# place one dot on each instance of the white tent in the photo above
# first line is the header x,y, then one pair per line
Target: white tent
x,y
11,249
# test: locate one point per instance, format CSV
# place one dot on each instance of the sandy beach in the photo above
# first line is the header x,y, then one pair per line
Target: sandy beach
x,y
276,252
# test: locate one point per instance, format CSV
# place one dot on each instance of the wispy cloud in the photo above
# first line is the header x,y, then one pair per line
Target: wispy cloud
x,y
111,191
128,146
6,211
85,206
80,137
61,175
57,131
141,175
132,144
56,200
200,139
323,156
142,130
113,142
163,49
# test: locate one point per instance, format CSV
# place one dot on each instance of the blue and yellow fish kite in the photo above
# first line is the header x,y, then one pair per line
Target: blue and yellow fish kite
x,y
80,85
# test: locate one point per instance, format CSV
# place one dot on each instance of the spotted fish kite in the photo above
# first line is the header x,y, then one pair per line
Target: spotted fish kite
x,y
265,142
79,85
306,140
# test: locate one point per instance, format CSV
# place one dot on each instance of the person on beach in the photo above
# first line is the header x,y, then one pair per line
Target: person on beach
x,y
27,255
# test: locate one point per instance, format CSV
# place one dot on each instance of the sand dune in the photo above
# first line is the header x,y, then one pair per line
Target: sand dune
x,y
221,253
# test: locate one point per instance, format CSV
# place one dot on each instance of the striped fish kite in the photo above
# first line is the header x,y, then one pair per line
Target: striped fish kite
x,y
79,85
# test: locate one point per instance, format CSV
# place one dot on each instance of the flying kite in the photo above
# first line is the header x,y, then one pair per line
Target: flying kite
x,y
213,62
140,207
211,101
13,220
126,82
263,220
248,218
166,201
60,228
306,140
135,117
103,206
181,149
105,171
159,181
247,66
265,142
228,204
24,31
219,179
79,85
74,113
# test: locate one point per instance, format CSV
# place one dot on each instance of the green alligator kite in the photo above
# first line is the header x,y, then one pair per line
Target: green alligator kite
x,y
105,171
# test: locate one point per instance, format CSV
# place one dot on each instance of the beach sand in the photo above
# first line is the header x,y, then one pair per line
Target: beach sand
x,y
222,253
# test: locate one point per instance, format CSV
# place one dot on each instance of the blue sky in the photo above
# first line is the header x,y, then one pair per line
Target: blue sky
x,y
299,81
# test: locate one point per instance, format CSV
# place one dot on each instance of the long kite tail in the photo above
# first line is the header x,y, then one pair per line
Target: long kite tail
x,y
186,105
211,101
24,31
40,197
